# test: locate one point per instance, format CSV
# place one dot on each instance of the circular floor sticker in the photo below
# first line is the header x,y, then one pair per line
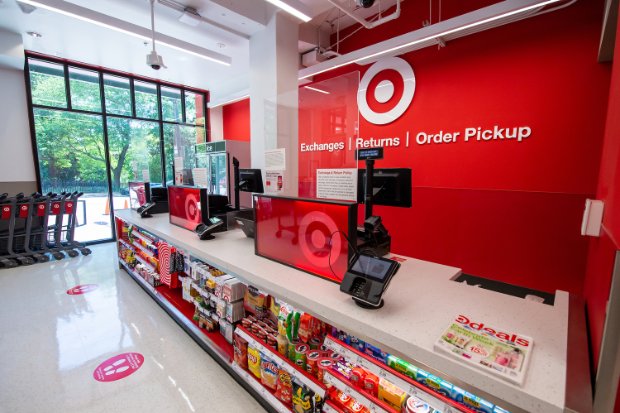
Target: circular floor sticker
x,y
82,289
118,367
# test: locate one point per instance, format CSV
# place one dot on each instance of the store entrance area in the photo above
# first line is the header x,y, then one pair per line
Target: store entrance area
x,y
107,347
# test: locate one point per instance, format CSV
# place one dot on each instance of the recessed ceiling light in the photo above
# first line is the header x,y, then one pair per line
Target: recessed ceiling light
x,y
36,35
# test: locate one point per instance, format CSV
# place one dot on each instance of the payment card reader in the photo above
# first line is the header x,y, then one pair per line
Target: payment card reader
x,y
367,279
145,210
205,230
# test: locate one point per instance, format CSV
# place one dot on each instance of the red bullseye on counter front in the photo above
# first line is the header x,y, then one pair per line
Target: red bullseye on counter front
x,y
118,367
82,289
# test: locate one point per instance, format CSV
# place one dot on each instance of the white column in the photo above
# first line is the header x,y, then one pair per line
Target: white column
x,y
274,64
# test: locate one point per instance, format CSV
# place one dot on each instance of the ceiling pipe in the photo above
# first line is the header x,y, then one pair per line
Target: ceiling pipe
x,y
365,23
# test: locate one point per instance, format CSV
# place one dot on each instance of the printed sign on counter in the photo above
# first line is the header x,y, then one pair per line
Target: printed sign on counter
x,y
274,182
337,184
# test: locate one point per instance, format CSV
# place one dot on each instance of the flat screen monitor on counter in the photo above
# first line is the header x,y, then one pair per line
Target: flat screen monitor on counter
x,y
188,206
308,234
139,194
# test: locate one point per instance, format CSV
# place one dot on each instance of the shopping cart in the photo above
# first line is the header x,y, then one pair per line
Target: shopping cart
x,y
13,219
56,229
71,211
22,227
36,228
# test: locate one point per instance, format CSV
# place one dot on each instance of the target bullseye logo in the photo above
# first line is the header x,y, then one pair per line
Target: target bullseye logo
x,y
192,209
315,233
386,90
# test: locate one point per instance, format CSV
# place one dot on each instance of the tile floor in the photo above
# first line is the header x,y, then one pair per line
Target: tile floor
x,y
51,343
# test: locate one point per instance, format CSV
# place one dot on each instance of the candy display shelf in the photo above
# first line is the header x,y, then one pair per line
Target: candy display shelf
x,y
436,400
284,363
421,302
273,401
374,405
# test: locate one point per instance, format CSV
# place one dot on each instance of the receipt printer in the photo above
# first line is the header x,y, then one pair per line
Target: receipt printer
x,y
367,279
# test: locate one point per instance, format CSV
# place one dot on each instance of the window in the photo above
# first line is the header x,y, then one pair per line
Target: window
x,y
85,92
147,104
117,95
171,104
47,84
95,141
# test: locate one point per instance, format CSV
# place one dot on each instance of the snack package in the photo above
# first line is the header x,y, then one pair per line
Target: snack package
x,y
303,398
254,361
391,394
284,388
285,310
268,371
306,325
241,352
274,310
254,302
371,384
376,353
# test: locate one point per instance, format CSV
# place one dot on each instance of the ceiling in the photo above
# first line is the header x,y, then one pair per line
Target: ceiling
x,y
235,21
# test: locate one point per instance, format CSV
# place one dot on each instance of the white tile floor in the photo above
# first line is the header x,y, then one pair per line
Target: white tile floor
x,y
51,342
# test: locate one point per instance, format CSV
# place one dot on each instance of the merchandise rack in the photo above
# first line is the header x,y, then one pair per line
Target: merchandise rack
x,y
253,382
374,405
284,363
549,388
412,387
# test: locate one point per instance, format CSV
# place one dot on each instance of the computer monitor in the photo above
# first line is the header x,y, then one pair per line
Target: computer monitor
x,y
391,187
251,180
139,194
188,206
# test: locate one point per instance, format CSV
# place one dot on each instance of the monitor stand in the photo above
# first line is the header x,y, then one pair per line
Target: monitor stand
x,y
376,242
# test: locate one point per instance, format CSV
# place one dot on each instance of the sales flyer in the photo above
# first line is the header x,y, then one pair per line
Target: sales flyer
x,y
504,354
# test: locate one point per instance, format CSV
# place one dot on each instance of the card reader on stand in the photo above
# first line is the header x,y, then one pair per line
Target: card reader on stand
x,y
367,279
372,236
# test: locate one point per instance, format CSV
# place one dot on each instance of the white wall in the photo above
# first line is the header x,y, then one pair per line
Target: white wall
x,y
16,161
216,117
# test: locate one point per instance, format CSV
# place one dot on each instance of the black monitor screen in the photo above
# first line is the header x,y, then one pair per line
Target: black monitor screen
x,y
391,187
139,194
251,180
372,267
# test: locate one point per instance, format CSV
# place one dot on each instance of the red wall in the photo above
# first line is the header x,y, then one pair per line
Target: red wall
x,y
236,119
506,210
602,251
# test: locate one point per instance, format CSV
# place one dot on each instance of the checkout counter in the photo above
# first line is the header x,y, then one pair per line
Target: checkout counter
x,y
421,302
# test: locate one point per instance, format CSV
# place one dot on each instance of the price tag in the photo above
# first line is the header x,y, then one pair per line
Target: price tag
x,y
347,391
383,373
413,390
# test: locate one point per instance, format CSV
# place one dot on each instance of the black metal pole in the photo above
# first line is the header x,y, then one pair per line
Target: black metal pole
x,y
370,163
236,177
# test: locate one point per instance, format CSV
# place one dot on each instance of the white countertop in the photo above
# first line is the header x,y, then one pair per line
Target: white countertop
x,y
419,304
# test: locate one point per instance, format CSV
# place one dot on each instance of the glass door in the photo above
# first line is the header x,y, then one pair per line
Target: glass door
x,y
71,152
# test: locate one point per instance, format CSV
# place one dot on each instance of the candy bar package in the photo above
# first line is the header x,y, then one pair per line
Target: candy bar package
x,y
254,302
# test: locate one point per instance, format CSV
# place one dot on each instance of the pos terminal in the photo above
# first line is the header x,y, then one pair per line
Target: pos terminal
x,y
367,279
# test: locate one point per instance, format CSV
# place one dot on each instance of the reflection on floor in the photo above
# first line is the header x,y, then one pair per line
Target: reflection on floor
x,y
51,343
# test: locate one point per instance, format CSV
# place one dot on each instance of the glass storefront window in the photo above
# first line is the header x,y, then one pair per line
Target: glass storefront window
x,y
171,104
117,95
147,105
85,92
47,84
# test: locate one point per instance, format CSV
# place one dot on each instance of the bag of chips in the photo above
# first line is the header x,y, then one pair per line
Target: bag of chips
x,y
302,398
269,372
284,388
241,352
254,361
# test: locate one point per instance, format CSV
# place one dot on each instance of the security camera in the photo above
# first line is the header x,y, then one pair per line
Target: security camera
x,y
365,3
154,60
